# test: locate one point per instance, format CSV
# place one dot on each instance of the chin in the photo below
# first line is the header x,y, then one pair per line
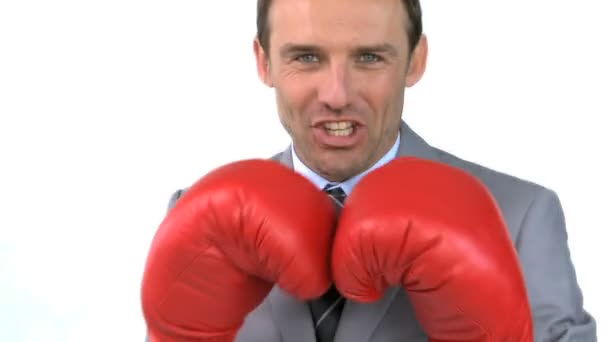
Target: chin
x,y
339,172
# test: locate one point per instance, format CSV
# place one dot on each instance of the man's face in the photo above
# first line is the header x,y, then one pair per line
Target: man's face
x,y
340,68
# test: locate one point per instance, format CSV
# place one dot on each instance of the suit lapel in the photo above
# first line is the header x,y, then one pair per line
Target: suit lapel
x,y
292,317
358,320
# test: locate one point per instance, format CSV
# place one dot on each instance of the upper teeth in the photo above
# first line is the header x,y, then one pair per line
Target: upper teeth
x,y
338,125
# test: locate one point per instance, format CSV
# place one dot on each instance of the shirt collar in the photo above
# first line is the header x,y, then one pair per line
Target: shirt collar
x,y
349,184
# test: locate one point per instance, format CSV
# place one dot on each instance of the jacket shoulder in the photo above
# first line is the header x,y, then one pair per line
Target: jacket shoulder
x,y
513,195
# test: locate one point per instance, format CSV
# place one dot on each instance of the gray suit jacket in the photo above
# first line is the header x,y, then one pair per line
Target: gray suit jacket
x,y
536,224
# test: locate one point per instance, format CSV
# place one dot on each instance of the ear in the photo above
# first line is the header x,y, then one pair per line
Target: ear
x,y
262,62
417,62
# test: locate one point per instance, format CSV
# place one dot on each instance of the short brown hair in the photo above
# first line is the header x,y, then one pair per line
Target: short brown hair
x,y
412,7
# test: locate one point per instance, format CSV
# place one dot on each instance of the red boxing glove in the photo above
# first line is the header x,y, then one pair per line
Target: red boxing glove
x,y
437,232
229,239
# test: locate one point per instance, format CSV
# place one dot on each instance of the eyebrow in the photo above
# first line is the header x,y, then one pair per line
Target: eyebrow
x,y
289,49
292,48
379,48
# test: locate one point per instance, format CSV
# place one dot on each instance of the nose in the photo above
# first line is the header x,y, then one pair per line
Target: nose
x,y
334,88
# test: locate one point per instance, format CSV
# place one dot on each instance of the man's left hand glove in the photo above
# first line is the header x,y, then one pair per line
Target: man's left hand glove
x,y
437,232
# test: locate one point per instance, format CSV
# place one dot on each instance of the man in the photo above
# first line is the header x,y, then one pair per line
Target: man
x,y
262,272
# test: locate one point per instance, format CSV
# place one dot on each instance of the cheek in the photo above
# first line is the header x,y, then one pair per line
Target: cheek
x,y
289,107
383,95
295,95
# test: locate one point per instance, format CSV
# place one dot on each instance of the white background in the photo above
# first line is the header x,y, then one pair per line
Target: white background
x,y
107,107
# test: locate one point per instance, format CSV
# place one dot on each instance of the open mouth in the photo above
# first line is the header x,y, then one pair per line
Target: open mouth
x,y
340,128
339,134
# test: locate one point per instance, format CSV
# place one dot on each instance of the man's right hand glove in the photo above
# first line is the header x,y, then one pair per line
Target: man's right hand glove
x,y
234,234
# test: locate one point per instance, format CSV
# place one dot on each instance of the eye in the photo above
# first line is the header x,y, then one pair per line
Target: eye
x,y
369,58
307,58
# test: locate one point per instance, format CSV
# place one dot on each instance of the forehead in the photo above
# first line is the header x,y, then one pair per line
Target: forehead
x,y
337,21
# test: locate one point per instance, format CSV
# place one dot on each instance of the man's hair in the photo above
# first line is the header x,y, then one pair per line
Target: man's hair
x,y
412,7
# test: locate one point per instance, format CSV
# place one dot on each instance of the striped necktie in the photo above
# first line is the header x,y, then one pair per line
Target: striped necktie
x,y
326,310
